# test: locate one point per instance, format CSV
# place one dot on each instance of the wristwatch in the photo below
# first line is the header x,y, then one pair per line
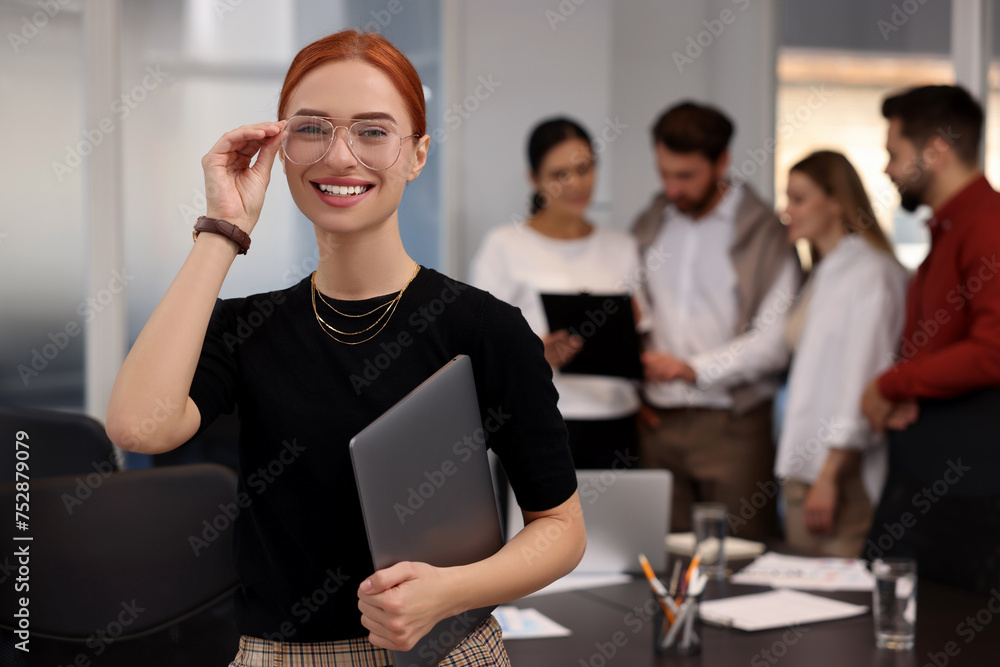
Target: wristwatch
x,y
225,228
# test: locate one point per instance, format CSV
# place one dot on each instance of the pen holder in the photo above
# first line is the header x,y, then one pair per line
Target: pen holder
x,y
681,636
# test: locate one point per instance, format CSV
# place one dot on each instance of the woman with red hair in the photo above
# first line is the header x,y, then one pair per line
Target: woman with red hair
x,y
350,135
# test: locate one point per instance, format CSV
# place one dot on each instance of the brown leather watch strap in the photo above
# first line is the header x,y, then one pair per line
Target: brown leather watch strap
x,y
225,228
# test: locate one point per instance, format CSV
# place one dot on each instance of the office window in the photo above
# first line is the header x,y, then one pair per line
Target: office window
x,y
42,271
838,61
992,105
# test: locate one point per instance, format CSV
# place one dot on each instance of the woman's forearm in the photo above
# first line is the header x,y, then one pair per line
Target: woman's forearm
x,y
153,383
838,463
549,547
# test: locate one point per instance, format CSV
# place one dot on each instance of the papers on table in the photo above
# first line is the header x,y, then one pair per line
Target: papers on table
x,y
577,581
527,624
775,609
736,548
820,574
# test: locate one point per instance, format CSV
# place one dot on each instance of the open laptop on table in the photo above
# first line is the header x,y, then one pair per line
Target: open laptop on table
x,y
627,512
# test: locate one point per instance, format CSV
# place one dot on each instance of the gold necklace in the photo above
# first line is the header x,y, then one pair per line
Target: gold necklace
x,y
389,306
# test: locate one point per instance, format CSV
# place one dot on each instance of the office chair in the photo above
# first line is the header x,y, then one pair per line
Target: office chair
x,y
60,443
139,572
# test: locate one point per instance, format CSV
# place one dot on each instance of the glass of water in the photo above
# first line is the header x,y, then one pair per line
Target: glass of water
x,y
710,527
895,602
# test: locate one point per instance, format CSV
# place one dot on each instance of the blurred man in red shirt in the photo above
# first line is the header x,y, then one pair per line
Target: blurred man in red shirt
x,y
941,400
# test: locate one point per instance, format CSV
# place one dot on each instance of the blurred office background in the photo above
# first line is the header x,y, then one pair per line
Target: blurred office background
x,y
107,107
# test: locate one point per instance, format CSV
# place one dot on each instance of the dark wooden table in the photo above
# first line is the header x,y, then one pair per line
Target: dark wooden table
x,y
613,626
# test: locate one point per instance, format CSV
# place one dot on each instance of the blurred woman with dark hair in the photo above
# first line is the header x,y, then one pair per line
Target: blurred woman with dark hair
x,y
557,250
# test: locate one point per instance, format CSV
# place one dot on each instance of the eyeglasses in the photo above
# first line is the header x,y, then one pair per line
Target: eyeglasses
x,y
375,143
563,175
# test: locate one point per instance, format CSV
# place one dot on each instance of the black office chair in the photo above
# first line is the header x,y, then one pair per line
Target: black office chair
x,y
60,443
137,573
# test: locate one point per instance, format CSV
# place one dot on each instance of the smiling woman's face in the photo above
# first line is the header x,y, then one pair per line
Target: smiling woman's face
x,y
344,90
566,177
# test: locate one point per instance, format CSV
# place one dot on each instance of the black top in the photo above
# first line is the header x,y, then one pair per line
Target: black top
x,y
300,546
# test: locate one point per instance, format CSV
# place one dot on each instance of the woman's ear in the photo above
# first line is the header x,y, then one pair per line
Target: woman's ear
x,y
535,183
420,157
837,209
281,159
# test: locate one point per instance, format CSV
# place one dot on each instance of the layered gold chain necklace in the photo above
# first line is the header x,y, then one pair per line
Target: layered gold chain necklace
x,y
387,308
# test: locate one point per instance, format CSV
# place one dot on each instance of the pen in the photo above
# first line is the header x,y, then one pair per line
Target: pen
x,y
695,562
675,579
658,588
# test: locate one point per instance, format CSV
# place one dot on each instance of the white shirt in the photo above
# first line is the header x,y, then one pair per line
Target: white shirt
x,y
695,309
853,323
517,264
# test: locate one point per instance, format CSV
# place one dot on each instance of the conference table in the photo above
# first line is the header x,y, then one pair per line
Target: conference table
x,y
613,625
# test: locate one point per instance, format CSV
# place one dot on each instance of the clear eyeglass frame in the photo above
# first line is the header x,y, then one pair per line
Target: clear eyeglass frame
x,y
578,171
285,135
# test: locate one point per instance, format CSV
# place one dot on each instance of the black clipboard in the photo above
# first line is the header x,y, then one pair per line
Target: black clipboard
x,y
606,324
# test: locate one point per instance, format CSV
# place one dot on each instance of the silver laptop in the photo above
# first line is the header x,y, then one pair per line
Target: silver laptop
x,y
427,492
627,512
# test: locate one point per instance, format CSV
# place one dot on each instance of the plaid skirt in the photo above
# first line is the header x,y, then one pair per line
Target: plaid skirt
x,y
482,648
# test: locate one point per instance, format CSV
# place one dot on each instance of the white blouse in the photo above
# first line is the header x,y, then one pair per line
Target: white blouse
x,y
517,264
854,319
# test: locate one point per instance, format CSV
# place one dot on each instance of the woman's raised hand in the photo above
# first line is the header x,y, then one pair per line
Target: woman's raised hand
x,y
234,190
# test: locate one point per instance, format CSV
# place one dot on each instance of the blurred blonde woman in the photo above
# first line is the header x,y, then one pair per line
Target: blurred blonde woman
x,y
843,331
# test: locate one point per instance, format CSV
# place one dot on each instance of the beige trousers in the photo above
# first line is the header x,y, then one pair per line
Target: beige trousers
x,y
717,456
851,522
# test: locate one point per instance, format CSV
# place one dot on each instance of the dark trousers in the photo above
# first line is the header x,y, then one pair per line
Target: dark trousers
x,y
941,503
604,443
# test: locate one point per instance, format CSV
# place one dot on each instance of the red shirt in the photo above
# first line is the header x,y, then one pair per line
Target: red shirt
x,y
951,342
